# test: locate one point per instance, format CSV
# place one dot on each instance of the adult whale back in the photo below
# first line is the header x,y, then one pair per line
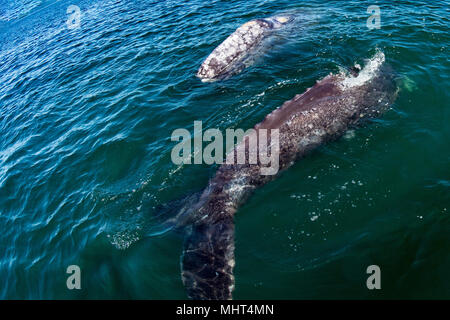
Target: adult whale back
x,y
230,56
323,113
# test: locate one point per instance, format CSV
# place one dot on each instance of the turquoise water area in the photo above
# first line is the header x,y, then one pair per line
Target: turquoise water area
x,y
86,177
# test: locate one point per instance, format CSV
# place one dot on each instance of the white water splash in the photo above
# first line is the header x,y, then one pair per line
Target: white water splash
x,y
123,239
369,71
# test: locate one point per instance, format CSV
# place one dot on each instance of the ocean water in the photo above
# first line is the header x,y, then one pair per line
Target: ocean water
x,y
86,177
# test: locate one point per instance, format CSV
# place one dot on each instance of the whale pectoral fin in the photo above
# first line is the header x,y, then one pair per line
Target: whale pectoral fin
x,y
208,260
174,215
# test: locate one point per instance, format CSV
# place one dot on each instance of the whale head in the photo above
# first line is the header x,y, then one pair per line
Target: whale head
x,y
373,86
360,76
283,19
279,21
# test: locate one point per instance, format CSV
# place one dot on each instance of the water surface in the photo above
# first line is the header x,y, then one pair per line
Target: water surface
x,y
85,122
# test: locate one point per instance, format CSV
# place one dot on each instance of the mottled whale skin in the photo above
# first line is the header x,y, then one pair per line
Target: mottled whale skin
x,y
321,114
229,57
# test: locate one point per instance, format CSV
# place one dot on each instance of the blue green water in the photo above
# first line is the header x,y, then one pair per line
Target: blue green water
x,y
86,117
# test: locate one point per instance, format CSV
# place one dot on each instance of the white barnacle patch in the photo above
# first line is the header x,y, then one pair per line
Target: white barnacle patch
x,y
304,142
236,190
319,132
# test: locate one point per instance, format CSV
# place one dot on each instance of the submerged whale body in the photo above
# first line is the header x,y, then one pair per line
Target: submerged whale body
x,y
230,56
321,114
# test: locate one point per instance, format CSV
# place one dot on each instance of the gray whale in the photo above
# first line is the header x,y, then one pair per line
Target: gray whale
x,y
230,56
321,114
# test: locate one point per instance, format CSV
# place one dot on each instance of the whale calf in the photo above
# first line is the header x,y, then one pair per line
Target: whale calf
x,y
321,114
229,57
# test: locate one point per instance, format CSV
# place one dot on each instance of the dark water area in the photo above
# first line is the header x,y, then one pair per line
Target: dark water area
x,y
86,117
